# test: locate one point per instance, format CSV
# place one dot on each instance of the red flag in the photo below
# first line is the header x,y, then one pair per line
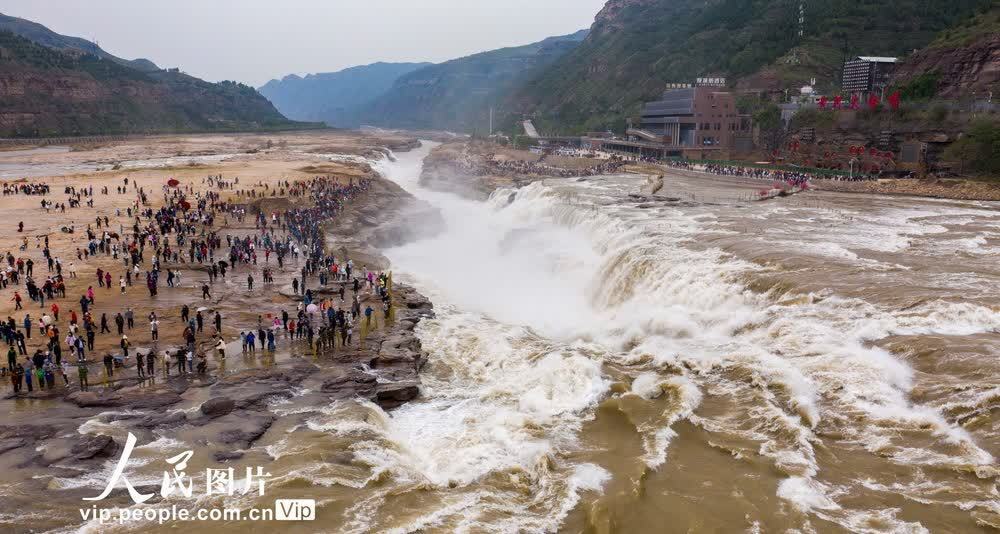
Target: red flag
x,y
837,100
822,102
873,101
894,100
855,101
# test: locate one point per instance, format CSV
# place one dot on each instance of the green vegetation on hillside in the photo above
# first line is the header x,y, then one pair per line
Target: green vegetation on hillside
x,y
457,95
39,34
653,43
978,149
45,92
983,24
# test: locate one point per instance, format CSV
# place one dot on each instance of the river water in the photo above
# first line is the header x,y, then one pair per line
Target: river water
x,y
606,364
818,363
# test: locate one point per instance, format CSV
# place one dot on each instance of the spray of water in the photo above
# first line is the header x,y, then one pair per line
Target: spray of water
x,y
539,289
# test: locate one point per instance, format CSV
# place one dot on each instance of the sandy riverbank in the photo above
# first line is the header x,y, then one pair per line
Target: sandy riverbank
x,y
935,188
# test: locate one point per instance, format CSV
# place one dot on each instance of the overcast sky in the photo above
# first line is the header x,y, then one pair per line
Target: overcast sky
x,y
253,41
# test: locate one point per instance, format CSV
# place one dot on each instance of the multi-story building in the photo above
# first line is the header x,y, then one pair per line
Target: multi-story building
x,y
687,120
867,74
693,117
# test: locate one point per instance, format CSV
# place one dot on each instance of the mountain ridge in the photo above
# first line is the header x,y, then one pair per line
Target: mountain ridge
x,y
332,97
70,87
457,94
39,34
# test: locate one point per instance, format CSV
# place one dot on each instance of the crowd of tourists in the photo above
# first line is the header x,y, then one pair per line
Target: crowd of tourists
x,y
183,234
25,189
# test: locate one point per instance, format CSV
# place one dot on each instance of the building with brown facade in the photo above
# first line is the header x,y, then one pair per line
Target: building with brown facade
x,y
699,122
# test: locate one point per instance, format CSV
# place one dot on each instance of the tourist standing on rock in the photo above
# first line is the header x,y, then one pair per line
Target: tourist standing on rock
x,y
11,358
220,348
218,323
109,365
81,368
249,282
64,371
151,364
29,370
154,329
124,344
129,318
17,377
140,364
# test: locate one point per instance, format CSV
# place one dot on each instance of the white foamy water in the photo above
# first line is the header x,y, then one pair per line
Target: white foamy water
x,y
539,290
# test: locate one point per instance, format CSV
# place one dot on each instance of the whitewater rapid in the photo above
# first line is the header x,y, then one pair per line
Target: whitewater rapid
x,y
549,296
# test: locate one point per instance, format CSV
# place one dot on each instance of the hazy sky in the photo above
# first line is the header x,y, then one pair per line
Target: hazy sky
x,y
255,40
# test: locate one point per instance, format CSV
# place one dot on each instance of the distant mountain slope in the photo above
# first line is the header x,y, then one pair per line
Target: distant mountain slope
x,y
636,46
60,91
334,97
456,95
40,34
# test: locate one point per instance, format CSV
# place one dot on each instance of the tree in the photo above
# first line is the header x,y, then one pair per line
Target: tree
x,y
771,129
978,148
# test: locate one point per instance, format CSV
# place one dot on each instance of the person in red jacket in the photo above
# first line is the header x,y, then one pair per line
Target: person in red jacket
x,y
55,311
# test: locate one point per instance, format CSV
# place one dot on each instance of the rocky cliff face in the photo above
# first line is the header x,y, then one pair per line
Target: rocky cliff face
x,y
973,69
610,20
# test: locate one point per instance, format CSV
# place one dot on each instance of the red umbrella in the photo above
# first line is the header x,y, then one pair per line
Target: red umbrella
x,y
185,205
173,183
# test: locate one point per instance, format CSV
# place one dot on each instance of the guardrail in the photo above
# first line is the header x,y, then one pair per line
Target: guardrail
x,y
789,168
